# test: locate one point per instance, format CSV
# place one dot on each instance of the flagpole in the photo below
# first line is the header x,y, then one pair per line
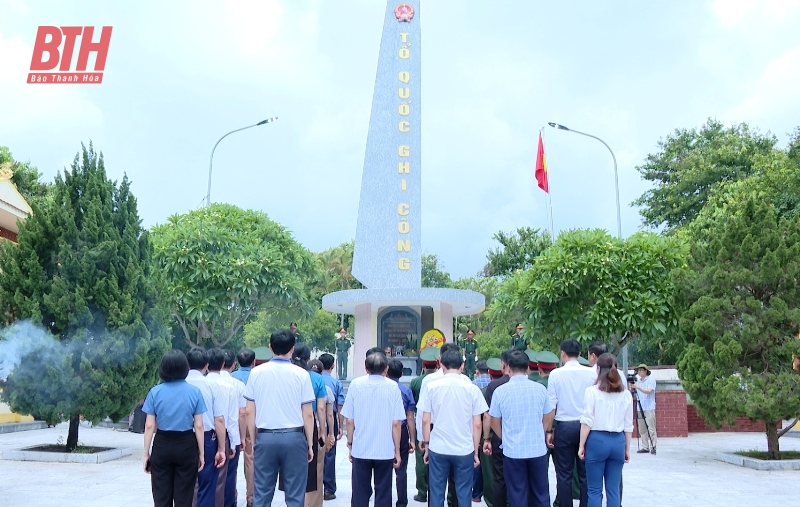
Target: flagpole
x,y
549,200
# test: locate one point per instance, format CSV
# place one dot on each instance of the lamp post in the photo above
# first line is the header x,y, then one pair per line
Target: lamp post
x,y
619,221
211,160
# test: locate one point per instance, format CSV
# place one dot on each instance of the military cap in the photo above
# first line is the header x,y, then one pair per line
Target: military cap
x,y
582,360
263,353
495,366
547,360
533,358
429,354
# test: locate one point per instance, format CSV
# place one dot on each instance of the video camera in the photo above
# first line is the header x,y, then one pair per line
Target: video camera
x,y
632,379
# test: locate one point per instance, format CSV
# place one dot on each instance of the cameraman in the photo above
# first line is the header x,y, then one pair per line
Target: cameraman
x,y
646,409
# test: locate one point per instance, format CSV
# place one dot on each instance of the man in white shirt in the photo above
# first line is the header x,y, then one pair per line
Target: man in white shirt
x,y
646,413
213,428
279,396
453,405
565,389
374,411
236,430
216,360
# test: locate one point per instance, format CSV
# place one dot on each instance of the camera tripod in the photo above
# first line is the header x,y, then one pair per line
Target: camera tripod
x,y
641,413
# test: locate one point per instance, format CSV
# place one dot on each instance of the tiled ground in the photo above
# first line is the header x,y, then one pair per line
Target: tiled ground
x,y
684,473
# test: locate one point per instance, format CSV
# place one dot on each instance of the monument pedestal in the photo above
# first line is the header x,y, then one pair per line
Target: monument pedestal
x,y
368,304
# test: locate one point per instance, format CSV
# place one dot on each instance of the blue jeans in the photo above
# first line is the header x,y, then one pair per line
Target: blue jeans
x,y
477,482
439,466
286,453
605,455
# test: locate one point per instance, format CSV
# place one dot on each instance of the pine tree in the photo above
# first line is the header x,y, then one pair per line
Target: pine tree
x,y
82,270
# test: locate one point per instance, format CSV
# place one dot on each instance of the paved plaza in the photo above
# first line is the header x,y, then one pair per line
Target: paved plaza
x,y
684,473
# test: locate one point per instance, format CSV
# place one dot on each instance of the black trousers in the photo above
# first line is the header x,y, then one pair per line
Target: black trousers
x,y
567,438
499,492
173,468
362,474
401,473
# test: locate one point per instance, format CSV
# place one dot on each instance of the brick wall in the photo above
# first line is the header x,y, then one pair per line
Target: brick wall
x,y
5,233
741,424
671,420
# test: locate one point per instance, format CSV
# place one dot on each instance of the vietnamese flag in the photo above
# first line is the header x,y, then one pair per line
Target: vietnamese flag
x,y
541,167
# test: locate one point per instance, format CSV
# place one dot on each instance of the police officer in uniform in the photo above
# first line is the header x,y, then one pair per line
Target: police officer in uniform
x,y
547,363
495,372
470,347
430,363
518,342
342,350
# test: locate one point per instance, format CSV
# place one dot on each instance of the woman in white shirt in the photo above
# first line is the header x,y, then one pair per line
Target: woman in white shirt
x,y
606,427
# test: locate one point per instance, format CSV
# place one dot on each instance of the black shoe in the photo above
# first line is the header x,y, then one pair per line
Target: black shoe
x,y
328,496
420,498
643,451
653,451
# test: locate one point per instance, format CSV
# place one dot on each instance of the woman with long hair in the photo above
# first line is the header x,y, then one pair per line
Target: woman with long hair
x,y
174,431
606,427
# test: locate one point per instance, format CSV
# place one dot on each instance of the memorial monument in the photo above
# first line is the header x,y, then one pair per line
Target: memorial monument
x,y
394,310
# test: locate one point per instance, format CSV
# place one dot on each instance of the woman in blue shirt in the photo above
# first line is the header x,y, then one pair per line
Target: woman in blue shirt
x,y
174,411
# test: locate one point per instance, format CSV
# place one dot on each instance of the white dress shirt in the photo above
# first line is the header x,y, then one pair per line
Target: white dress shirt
x,y
238,403
566,387
604,411
215,405
452,401
423,393
231,406
279,389
373,402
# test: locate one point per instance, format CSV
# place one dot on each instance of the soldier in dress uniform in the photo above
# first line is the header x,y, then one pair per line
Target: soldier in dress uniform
x,y
495,372
342,350
533,365
547,363
470,347
430,363
518,342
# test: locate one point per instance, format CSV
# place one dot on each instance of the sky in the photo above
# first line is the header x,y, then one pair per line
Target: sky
x,y
180,74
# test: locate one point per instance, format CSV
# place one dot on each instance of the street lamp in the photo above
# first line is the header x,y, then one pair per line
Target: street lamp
x,y
211,160
619,221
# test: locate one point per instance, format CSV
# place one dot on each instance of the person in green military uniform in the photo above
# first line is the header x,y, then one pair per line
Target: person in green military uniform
x,y
518,342
342,350
430,363
547,363
495,372
470,348
533,365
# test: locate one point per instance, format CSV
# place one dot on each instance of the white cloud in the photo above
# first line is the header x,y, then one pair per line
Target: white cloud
x,y
735,13
768,93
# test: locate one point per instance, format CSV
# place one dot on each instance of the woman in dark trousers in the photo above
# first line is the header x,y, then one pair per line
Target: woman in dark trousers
x,y
606,427
174,411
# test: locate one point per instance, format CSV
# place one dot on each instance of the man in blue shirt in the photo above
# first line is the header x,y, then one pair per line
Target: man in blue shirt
x,y
521,415
407,432
329,475
245,358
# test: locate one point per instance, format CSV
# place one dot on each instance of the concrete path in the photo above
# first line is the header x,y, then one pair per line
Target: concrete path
x,y
684,473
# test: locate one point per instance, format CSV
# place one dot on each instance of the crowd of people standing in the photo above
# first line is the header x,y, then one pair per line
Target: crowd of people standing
x,y
493,436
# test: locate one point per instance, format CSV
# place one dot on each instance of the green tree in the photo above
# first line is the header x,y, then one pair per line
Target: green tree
x,y
691,163
433,273
316,330
517,251
222,264
592,286
743,309
82,269
26,178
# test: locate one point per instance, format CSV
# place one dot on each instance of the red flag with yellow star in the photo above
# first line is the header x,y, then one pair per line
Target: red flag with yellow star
x,y
541,167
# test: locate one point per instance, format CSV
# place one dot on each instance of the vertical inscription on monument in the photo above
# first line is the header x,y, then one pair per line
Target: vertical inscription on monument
x,y
388,253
